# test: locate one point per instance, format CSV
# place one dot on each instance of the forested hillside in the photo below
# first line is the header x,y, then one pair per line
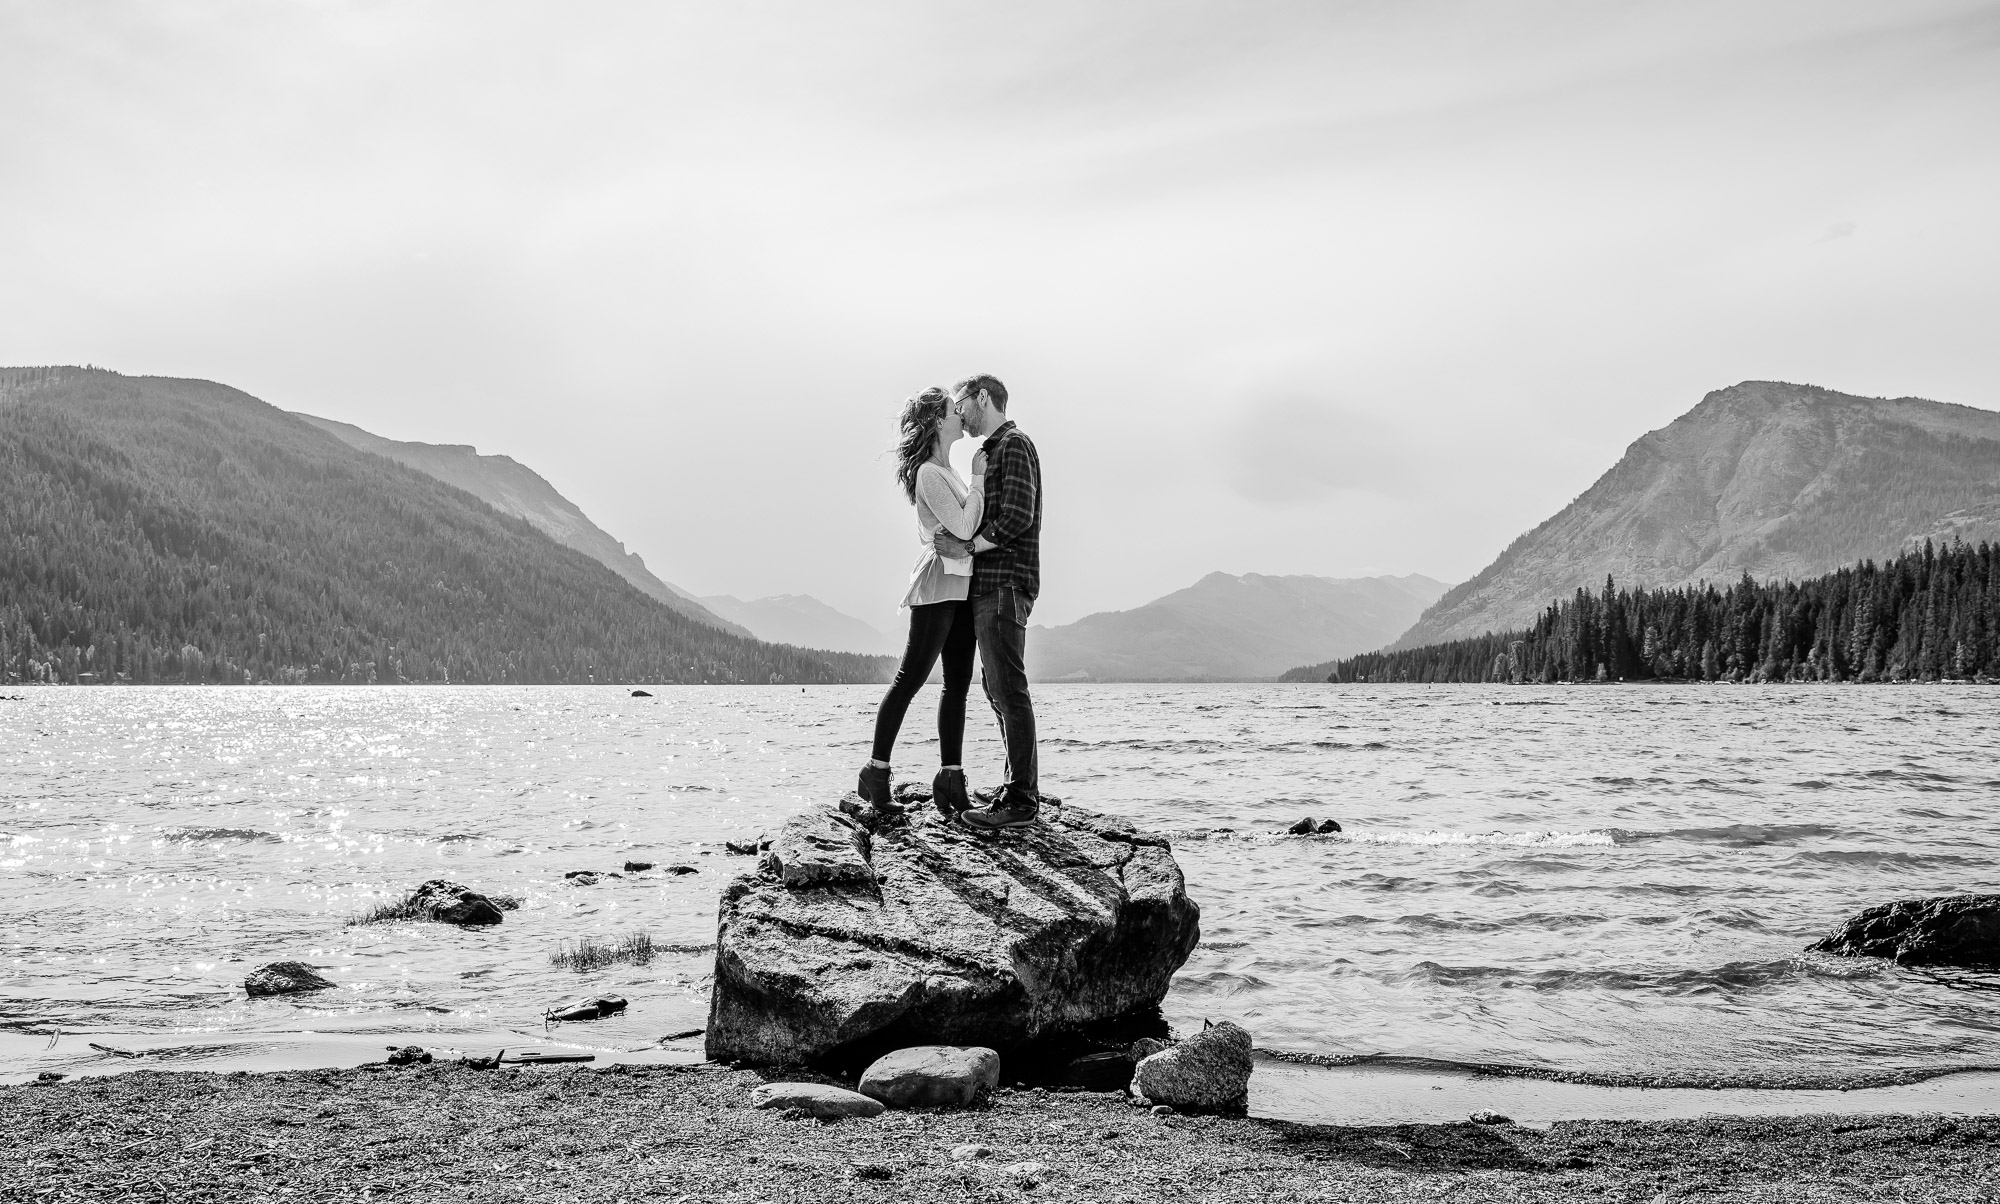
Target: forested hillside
x,y
1765,478
158,530
513,488
1929,615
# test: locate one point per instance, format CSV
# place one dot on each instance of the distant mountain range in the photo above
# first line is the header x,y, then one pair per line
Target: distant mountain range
x,y
805,621
1771,479
158,529
1229,628
513,488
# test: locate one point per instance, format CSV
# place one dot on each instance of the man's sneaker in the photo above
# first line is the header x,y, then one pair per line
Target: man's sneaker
x,y
874,786
948,792
1010,809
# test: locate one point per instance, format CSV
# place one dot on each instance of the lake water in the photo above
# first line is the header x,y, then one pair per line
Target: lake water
x,y
1600,879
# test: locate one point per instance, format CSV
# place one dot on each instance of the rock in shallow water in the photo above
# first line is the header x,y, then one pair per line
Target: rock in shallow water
x,y
450,903
1949,930
931,1076
284,978
818,1099
848,942
1208,1072
595,1007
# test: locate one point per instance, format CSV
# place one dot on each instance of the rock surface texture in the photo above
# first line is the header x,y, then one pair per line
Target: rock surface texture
x,y
284,978
820,1099
849,942
931,1076
1949,930
1208,1072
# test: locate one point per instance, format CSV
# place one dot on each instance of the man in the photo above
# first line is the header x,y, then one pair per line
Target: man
x,y
1006,577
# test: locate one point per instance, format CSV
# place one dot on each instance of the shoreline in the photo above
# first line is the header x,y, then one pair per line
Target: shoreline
x,y
1295,1087
447,1132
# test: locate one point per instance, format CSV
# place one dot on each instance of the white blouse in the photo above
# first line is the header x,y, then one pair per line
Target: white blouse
x,y
944,503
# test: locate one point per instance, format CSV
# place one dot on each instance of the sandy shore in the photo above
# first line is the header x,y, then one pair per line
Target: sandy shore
x,y
684,1133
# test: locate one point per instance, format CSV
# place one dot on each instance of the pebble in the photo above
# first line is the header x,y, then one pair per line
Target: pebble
x,y
1162,1110
1024,1174
637,867
1487,1116
873,1170
970,1151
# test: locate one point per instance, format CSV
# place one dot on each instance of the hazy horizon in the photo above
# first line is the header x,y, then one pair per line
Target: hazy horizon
x,y
1288,288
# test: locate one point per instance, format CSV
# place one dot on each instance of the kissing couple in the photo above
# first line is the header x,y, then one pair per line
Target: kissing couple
x,y
974,584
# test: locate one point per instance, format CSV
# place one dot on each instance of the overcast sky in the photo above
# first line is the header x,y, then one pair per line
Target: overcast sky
x,y
1317,287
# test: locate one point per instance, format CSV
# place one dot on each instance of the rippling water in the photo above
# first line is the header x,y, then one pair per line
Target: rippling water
x,y
1606,879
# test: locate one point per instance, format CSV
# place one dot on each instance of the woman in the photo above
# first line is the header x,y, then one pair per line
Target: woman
x,y
940,619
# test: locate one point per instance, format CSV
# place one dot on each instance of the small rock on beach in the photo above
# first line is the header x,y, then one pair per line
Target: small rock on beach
x,y
284,978
932,1076
1099,1071
1208,1072
817,1099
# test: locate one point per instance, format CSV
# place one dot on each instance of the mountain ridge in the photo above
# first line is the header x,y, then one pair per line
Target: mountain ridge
x,y
512,487
803,620
1764,477
163,529
1251,627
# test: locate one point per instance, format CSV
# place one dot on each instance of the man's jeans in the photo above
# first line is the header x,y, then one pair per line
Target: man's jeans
x,y
1000,621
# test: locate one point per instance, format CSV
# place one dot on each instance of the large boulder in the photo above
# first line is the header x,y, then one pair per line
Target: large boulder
x,y
1208,1072
851,941
1948,930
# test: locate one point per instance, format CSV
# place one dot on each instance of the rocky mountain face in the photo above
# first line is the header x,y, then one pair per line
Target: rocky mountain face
x,y
513,488
1232,629
805,621
1771,479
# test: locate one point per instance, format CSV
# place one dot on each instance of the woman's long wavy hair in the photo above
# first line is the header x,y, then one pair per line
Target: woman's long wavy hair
x,y
922,415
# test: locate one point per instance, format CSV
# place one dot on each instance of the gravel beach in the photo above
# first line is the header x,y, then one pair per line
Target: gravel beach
x,y
445,1132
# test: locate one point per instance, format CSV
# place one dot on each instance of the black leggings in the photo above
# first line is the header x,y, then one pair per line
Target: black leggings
x,y
936,628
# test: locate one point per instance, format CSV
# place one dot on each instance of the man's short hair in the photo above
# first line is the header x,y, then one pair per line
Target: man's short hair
x,y
994,389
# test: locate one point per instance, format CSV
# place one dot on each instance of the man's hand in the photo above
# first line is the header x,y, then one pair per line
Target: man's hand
x,y
979,463
950,546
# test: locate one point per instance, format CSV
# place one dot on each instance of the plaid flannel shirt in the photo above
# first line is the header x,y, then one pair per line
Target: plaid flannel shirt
x,y
1013,520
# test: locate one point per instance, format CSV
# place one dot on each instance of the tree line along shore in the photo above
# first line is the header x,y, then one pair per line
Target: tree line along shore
x,y
1931,614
